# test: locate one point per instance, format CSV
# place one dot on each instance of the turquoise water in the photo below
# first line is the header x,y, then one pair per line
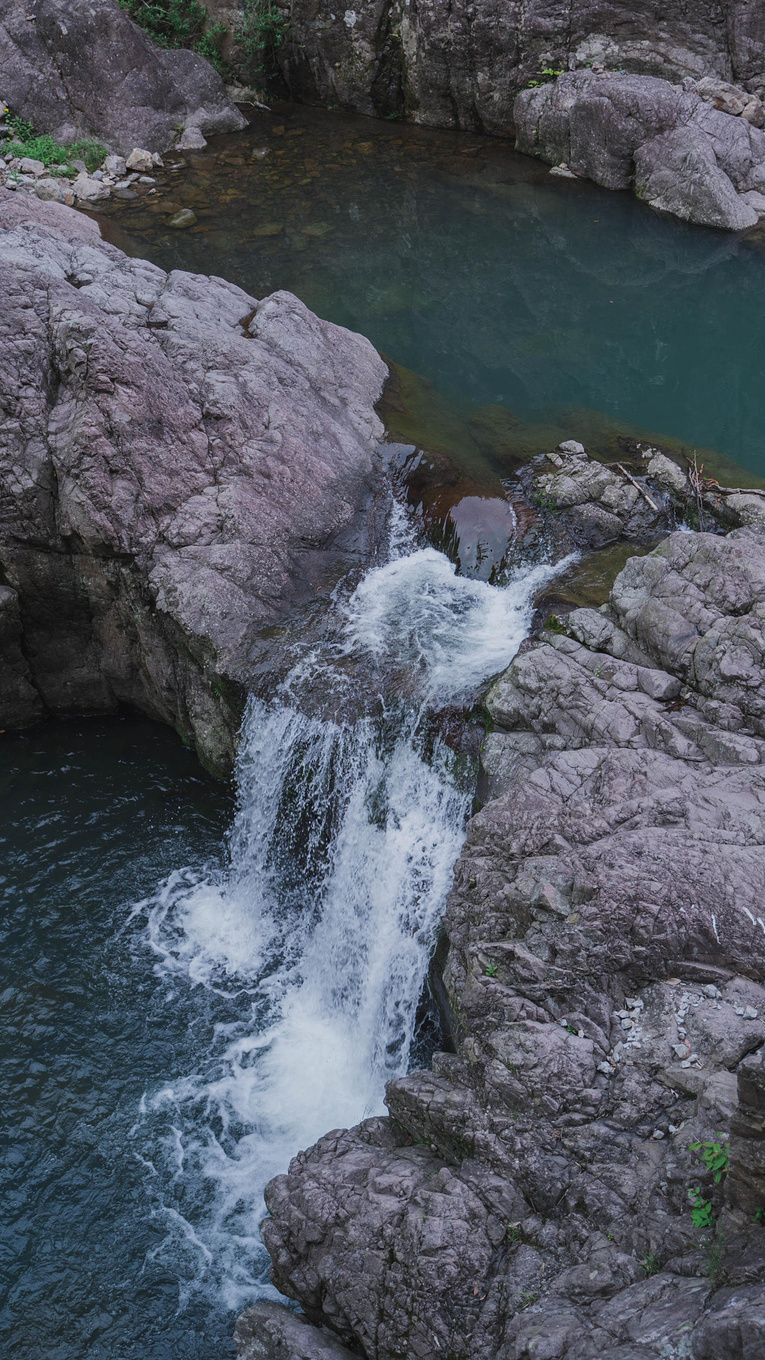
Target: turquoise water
x,y
500,284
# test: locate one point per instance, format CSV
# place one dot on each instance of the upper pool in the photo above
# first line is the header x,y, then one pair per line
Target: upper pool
x,y
567,307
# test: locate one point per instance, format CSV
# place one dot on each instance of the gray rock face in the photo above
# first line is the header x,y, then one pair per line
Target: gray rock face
x,y
463,68
683,155
180,463
597,504
604,965
82,68
269,1332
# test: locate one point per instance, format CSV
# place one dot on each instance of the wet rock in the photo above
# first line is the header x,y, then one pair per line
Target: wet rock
x,y
268,1332
82,68
142,579
191,140
598,504
184,218
603,975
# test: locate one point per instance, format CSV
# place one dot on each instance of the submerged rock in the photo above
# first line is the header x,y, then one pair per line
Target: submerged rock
x,y
82,68
603,980
180,464
184,218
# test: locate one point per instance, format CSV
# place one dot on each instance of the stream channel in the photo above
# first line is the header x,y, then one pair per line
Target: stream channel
x,y
199,981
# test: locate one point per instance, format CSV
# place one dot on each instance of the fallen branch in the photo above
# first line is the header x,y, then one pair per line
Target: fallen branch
x,y
640,488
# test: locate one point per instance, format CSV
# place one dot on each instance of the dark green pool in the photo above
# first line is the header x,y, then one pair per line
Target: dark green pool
x,y
575,309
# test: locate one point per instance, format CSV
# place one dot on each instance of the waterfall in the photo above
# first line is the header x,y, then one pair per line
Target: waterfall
x,y
309,949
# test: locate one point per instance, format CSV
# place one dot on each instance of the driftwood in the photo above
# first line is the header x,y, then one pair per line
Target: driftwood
x,y
640,488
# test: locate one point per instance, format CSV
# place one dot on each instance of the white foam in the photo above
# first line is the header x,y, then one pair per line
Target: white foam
x,y
317,937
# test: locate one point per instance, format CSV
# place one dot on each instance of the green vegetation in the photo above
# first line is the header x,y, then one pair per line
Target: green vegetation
x,y
715,1154
41,147
491,969
715,1157
650,1264
180,23
185,23
260,33
548,73
701,1210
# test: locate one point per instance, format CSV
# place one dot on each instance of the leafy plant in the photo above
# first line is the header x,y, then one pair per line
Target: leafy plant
x,y
180,23
701,1211
650,1264
21,126
715,1157
759,1215
547,73
260,33
491,969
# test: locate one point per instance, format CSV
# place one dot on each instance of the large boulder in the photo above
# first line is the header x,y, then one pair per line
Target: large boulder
x,y
180,464
604,975
683,155
82,68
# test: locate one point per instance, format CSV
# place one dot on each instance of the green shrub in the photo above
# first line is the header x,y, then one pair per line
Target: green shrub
x,y
180,23
23,129
259,34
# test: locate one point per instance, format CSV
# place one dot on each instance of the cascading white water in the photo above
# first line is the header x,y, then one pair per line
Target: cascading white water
x,y
313,944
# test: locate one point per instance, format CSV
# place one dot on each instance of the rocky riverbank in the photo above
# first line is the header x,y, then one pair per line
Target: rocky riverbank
x,y
548,1188
182,464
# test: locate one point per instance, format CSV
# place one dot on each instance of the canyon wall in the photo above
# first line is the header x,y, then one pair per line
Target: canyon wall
x,y
461,65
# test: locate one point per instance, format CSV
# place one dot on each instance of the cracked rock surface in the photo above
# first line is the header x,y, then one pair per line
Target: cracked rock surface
x,y
180,464
603,971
